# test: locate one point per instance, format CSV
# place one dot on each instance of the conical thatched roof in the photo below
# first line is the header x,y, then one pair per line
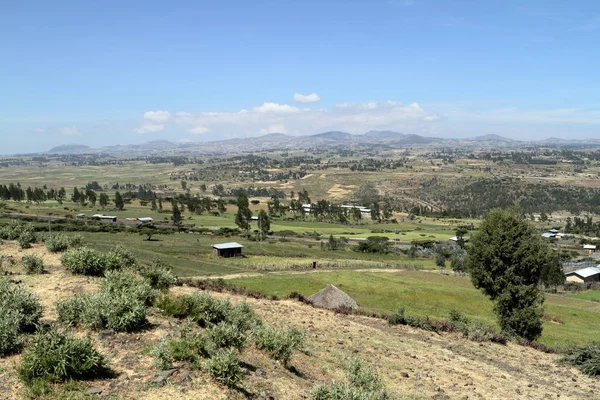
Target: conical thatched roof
x,y
332,297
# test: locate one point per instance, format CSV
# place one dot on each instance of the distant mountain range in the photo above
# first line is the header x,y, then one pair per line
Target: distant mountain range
x,y
273,141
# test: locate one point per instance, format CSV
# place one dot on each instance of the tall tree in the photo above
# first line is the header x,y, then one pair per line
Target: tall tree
x,y
103,200
176,214
243,215
264,223
61,195
507,259
119,203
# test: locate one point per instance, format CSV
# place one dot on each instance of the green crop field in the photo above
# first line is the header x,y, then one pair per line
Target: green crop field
x,y
567,320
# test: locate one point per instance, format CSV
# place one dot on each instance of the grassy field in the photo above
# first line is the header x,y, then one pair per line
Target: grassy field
x,y
567,320
404,231
191,255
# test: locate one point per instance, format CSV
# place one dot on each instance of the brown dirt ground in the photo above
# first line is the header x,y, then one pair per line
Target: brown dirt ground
x,y
413,362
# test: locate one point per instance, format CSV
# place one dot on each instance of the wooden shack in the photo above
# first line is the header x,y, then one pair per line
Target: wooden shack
x,y
231,249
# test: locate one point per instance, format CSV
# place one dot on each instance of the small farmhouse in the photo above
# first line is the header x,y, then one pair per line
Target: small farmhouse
x,y
589,248
145,219
103,217
585,275
231,249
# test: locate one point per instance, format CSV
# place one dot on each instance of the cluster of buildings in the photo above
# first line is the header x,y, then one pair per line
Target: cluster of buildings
x,y
308,208
112,218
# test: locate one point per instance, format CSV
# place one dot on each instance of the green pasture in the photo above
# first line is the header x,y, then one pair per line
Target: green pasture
x,y
191,254
568,320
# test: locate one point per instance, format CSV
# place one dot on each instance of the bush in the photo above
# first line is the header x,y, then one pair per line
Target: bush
x,y
243,317
364,384
26,238
56,356
279,344
225,367
225,335
201,307
586,358
159,275
69,311
58,242
83,261
162,356
33,264
118,258
22,302
125,282
10,338
120,305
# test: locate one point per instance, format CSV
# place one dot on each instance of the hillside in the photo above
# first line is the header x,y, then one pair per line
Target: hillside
x,y
413,363
277,141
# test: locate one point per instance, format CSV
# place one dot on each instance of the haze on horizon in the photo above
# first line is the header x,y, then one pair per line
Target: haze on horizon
x,y
115,72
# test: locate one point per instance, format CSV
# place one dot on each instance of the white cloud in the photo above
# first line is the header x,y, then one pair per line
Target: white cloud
x,y
39,130
274,108
158,116
309,98
285,118
198,130
148,127
69,131
273,129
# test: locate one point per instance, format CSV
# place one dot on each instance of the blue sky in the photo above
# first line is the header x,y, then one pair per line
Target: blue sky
x,y
108,72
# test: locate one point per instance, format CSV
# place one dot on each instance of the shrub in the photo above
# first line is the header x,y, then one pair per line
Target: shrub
x,y
58,242
225,367
364,384
33,264
480,332
118,258
125,282
69,311
243,317
586,358
56,356
363,376
25,239
200,307
24,303
225,335
120,305
162,355
279,344
83,261
10,338
159,275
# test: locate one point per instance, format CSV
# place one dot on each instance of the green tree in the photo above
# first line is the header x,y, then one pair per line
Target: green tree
x,y
366,194
176,214
243,215
103,200
119,203
61,195
506,259
264,223
375,212
153,204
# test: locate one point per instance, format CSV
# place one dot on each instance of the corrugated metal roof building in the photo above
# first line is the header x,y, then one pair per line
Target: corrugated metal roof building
x,y
230,249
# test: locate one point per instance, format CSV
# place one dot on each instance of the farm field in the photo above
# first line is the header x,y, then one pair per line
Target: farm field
x,y
568,320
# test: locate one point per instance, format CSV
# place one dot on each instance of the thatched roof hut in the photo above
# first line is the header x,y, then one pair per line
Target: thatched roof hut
x,y
331,297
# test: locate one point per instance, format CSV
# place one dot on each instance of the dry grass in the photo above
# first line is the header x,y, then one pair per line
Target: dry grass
x,y
411,361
